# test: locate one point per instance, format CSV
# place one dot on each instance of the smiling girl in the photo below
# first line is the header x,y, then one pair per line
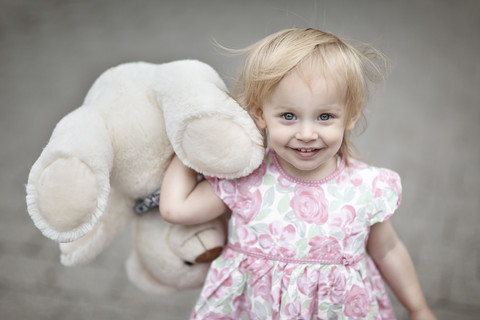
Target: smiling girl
x,y
309,235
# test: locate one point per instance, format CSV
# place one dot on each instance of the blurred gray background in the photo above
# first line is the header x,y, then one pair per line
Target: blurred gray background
x,y
423,122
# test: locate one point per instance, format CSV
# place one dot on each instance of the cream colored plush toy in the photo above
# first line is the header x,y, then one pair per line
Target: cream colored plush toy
x,y
111,152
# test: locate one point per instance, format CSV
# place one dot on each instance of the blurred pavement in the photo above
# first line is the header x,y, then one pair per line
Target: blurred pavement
x,y
423,123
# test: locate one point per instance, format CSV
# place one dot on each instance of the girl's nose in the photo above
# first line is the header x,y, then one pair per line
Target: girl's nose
x,y
306,132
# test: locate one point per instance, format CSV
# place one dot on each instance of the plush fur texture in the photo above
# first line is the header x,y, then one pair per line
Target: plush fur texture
x,y
164,257
113,151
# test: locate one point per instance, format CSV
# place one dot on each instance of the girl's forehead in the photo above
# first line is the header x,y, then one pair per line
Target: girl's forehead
x,y
314,91
332,78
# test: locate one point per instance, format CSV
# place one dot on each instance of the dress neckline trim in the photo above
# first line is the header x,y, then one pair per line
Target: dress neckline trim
x,y
333,175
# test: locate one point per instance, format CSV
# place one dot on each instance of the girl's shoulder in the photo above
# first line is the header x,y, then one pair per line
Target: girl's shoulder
x,y
383,186
358,167
224,186
380,181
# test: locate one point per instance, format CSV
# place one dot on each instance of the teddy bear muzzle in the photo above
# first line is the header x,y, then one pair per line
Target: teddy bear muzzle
x,y
197,243
209,255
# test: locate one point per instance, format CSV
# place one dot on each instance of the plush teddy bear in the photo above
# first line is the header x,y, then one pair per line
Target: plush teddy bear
x,y
111,152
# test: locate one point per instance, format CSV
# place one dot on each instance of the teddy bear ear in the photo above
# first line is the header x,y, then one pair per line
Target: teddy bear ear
x,y
207,128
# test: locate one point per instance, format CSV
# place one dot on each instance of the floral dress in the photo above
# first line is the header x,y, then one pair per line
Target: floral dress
x,y
296,249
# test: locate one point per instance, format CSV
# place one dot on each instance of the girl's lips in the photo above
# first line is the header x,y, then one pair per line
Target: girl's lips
x,y
306,152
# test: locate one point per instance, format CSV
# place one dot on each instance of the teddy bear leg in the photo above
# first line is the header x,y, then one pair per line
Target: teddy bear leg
x,y
116,217
67,192
69,184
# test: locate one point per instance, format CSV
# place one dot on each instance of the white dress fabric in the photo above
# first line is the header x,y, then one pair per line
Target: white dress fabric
x,y
297,249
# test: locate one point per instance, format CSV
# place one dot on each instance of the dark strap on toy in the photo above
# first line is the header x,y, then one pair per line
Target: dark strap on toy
x,y
152,201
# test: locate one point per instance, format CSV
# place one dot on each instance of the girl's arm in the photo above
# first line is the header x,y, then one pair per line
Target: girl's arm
x,y
396,267
183,201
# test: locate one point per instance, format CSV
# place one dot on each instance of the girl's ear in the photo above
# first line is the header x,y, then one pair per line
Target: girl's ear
x,y
258,117
353,121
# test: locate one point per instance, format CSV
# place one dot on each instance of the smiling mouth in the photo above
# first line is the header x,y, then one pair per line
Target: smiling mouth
x,y
306,150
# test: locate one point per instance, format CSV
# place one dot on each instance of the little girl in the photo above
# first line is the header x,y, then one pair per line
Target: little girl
x,y
309,236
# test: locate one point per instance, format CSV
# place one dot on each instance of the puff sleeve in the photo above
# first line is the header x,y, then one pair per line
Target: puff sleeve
x,y
387,195
226,189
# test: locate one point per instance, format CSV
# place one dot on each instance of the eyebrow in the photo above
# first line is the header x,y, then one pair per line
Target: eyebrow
x,y
334,108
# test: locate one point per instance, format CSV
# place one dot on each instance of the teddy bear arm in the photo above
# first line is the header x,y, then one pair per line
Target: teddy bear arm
x,y
209,131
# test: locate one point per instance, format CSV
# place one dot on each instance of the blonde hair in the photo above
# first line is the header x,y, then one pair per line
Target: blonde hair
x,y
308,50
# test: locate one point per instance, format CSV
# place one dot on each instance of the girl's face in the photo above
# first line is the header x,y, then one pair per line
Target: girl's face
x,y
306,123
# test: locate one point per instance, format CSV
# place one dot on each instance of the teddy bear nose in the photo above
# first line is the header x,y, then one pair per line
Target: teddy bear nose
x,y
209,255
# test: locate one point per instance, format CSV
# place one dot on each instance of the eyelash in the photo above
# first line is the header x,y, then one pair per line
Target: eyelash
x,y
290,116
329,116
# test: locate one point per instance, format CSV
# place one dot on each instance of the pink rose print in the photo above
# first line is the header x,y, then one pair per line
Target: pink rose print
x,y
216,316
260,279
357,304
384,306
340,179
281,178
229,254
242,305
246,237
345,221
313,282
279,241
219,281
355,179
310,205
262,286
324,248
245,206
226,186
286,270
293,311
337,285
258,267
390,178
215,182
283,181
252,180
345,218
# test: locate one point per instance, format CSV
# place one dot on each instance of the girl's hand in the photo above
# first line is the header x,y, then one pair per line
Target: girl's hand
x,y
422,314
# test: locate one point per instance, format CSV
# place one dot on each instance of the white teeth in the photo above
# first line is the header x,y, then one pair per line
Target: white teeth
x,y
306,150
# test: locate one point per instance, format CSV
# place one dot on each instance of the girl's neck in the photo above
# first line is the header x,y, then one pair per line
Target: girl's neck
x,y
330,171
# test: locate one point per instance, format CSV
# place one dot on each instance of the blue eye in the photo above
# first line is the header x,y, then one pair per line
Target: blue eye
x,y
325,117
288,116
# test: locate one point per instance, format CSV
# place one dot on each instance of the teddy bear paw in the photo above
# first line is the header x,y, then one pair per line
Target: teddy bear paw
x,y
66,196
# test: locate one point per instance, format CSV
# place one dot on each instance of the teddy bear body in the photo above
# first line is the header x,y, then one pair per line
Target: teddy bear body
x,y
113,150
